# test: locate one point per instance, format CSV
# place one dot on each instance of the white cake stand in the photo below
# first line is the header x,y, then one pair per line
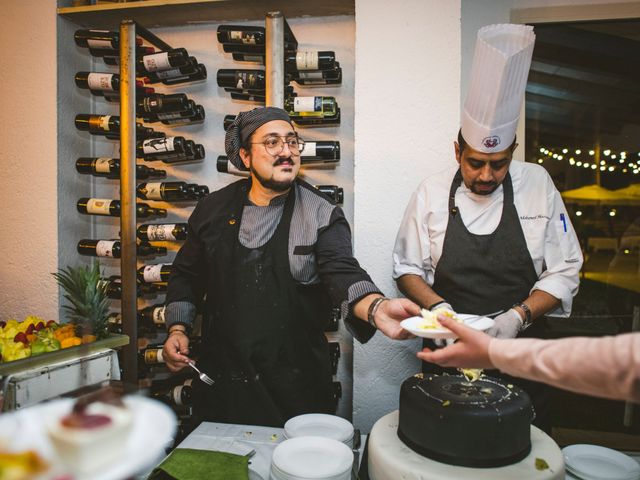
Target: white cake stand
x,y
390,459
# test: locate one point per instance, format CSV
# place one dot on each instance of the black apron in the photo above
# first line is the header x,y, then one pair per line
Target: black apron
x,y
265,346
485,274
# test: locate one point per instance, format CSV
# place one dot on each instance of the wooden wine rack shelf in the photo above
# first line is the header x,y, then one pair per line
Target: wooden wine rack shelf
x,y
166,13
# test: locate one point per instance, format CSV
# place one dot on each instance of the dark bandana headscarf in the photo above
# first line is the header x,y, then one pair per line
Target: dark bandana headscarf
x,y
244,125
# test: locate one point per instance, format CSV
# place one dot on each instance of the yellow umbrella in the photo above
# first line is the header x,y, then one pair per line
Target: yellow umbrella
x,y
593,194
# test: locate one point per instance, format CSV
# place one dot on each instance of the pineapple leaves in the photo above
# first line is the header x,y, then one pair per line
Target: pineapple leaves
x,y
87,296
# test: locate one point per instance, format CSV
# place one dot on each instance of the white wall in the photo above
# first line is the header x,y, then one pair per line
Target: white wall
x,y
407,115
28,237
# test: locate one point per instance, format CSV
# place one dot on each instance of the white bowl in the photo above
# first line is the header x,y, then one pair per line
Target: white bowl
x,y
87,449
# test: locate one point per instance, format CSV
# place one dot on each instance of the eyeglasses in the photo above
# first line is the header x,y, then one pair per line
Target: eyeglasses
x,y
274,145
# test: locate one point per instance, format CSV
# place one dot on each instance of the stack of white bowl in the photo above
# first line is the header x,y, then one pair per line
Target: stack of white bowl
x,y
318,447
311,458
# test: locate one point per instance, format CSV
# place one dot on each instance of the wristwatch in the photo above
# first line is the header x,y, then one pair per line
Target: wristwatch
x,y
526,323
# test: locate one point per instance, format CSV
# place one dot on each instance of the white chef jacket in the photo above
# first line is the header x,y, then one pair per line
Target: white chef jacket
x,y
551,241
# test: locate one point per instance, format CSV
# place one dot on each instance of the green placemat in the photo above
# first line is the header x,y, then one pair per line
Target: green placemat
x,y
191,464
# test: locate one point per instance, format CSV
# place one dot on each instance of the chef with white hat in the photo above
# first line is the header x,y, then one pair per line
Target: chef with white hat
x,y
491,236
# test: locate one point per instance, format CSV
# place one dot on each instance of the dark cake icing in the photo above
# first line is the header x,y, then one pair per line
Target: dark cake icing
x,y
476,424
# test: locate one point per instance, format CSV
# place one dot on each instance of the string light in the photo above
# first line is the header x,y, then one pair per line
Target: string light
x,y
621,165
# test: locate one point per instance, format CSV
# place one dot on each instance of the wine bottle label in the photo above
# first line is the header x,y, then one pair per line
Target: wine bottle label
x,y
253,58
153,356
155,145
102,165
99,43
242,37
310,75
156,61
149,104
104,122
114,319
154,191
104,248
309,150
100,81
152,273
307,60
169,116
98,206
158,316
172,73
246,80
159,233
307,104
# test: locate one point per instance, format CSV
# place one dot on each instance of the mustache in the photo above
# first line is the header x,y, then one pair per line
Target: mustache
x,y
283,161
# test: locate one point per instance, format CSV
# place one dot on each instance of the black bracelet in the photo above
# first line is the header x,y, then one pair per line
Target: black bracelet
x,y
373,308
431,307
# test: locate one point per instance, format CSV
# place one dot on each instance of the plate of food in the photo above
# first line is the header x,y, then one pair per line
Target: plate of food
x,y
104,442
427,325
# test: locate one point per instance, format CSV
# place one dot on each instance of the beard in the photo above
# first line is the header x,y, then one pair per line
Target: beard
x,y
271,183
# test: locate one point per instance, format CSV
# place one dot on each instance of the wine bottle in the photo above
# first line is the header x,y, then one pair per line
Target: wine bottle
x,y
198,191
114,290
188,111
160,103
159,272
227,121
318,77
167,191
248,98
187,69
177,396
332,191
310,107
101,81
223,165
322,149
310,60
191,120
253,79
249,35
159,61
151,355
303,121
162,232
248,57
99,39
109,125
113,249
110,168
200,73
108,207
159,148
150,320
114,97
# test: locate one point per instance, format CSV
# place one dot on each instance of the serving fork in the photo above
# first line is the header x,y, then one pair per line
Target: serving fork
x,y
203,376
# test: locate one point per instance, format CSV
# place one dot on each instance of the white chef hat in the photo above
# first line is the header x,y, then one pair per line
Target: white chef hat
x,y
499,74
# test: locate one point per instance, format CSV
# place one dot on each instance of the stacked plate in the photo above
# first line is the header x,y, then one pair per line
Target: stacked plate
x,y
311,458
592,462
320,425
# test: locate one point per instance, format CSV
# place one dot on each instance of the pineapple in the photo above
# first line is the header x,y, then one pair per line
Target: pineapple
x,y
87,294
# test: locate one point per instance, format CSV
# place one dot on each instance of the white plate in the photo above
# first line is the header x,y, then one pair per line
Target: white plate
x,y
312,457
154,426
319,425
412,324
592,462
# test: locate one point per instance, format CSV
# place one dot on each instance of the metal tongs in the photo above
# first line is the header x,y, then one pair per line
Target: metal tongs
x,y
203,376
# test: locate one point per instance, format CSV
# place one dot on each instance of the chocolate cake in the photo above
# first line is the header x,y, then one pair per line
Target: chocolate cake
x,y
475,424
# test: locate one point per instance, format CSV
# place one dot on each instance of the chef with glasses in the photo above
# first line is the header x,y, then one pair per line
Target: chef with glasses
x,y
266,258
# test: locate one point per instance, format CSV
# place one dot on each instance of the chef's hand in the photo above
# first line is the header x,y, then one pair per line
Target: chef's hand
x,y
175,350
471,350
507,325
389,315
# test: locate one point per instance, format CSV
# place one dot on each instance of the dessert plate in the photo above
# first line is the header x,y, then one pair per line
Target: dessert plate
x,y
154,425
312,458
592,462
319,425
413,324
